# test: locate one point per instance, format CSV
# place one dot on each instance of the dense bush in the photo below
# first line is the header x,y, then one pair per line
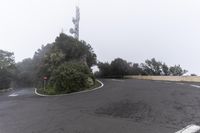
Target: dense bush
x,y
70,77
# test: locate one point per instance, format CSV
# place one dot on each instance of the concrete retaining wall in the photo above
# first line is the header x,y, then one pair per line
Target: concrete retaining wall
x,y
168,78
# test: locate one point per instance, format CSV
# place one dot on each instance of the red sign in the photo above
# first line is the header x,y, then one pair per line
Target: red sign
x,y
45,78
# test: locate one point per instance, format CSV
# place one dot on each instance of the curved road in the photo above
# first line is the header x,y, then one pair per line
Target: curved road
x,y
121,106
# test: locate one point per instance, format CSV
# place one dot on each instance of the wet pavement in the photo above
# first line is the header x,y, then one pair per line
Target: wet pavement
x,y
128,106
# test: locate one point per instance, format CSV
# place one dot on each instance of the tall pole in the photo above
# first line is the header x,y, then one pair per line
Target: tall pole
x,y
76,20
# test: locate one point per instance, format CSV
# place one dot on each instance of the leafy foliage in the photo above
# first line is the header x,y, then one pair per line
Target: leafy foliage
x,y
165,69
7,69
64,49
70,77
152,67
105,70
66,62
25,73
117,68
177,70
135,69
120,67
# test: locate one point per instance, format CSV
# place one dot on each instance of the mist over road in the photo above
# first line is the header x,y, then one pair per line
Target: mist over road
x,y
128,106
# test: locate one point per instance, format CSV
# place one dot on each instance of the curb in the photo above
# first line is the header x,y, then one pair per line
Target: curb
x,y
85,91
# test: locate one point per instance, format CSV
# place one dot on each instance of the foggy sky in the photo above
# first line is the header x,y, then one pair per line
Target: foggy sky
x,y
135,30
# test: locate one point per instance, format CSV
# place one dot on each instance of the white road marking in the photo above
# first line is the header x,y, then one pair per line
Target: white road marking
x,y
197,86
13,95
117,80
190,129
70,94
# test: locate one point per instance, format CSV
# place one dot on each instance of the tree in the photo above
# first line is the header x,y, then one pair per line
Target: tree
x,y
152,67
91,57
120,67
65,49
165,69
50,60
75,50
117,68
25,73
7,68
177,70
135,69
104,69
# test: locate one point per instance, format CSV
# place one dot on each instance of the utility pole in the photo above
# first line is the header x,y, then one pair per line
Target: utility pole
x,y
76,21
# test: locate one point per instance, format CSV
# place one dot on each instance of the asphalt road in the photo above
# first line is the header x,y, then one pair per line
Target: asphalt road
x,y
121,106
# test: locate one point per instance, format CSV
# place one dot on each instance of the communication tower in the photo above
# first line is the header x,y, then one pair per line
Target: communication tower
x,y
76,20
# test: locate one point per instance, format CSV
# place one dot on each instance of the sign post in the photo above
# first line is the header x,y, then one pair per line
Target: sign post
x,y
45,80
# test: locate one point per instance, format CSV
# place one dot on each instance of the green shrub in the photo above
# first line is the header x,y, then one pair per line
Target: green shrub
x,y
5,79
71,77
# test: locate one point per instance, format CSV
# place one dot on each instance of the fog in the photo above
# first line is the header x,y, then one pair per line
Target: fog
x,y
131,29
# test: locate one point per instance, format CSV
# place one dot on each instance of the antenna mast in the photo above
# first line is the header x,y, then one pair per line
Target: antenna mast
x,y
76,21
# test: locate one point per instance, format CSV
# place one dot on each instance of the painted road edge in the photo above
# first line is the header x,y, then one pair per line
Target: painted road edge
x,y
196,86
190,129
42,95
